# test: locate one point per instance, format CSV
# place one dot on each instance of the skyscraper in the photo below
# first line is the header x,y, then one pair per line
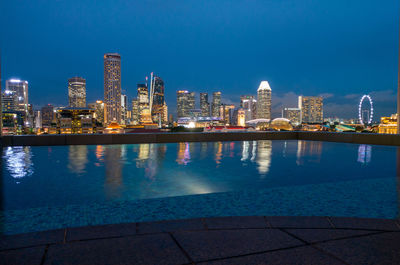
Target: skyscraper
x,y
135,111
204,105
124,108
77,92
143,101
112,87
48,116
157,99
264,101
249,105
185,102
216,103
311,109
292,114
20,89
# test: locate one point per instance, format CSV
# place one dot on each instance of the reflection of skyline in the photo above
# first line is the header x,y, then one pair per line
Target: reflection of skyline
x,y
260,153
183,157
113,167
19,161
308,149
77,158
364,154
218,154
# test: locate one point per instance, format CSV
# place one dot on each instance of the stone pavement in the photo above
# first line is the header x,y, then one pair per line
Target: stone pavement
x,y
221,240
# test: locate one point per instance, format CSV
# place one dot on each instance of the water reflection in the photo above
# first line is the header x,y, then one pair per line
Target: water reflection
x,y
183,157
218,154
150,157
308,151
364,154
77,158
113,171
19,161
260,151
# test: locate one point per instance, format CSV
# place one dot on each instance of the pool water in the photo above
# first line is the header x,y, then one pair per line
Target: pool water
x,y
51,187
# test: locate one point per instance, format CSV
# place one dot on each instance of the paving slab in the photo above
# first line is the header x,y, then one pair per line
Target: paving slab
x,y
31,239
379,249
318,235
214,244
146,249
102,231
27,256
298,222
170,226
294,256
365,223
236,222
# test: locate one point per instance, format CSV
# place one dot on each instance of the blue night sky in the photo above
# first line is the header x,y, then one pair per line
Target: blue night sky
x,y
340,49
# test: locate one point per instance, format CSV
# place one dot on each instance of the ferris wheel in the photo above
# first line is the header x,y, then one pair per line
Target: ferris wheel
x,y
365,114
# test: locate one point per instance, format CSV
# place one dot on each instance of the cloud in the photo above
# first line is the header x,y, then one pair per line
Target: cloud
x,y
326,95
352,96
384,96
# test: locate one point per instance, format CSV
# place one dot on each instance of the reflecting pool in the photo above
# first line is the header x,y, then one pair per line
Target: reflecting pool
x,y
55,186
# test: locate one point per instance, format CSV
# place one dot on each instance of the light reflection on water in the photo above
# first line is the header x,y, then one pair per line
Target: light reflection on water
x,y
110,172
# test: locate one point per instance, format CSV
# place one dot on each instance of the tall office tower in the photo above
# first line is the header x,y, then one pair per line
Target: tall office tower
x,y
311,109
124,108
143,101
292,114
112,87
135,111
264,101
204,105
249,105
165,114
99,111
241,117
216,103
48,116
9,101
184,102
77,92
226,113
38,120
157,98
20,89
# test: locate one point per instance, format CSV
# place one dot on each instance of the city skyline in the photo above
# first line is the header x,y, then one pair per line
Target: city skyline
x,y
341,54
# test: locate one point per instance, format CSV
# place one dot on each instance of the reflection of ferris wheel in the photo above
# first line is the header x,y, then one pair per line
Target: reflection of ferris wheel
x,y
369,113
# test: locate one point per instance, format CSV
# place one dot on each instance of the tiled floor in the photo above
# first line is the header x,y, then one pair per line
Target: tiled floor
x,y
227,240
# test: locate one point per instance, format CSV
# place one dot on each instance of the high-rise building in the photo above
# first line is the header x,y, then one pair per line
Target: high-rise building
x,y
135,111
264,101
143,102
311,109
9,101
20,89
241,117
292,114
185,102
112,87
204,105
48,115
249,105
216,103
226,113
124,108
99,111
77,92
157,98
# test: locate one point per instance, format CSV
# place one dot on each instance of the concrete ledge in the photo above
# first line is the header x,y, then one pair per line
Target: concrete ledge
x,y
135,138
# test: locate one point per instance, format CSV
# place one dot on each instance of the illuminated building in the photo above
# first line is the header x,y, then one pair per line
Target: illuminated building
x,y
20,89
143,102
226,113
311,109
157,99
113,128
77,92
204,105
10,123
185,102
241,117
264,101
165,114
388,125
216,103
38,120
99,111
9,101
75,120
249,105
135,111
124,106
292,114
48,115
112,87
281,124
